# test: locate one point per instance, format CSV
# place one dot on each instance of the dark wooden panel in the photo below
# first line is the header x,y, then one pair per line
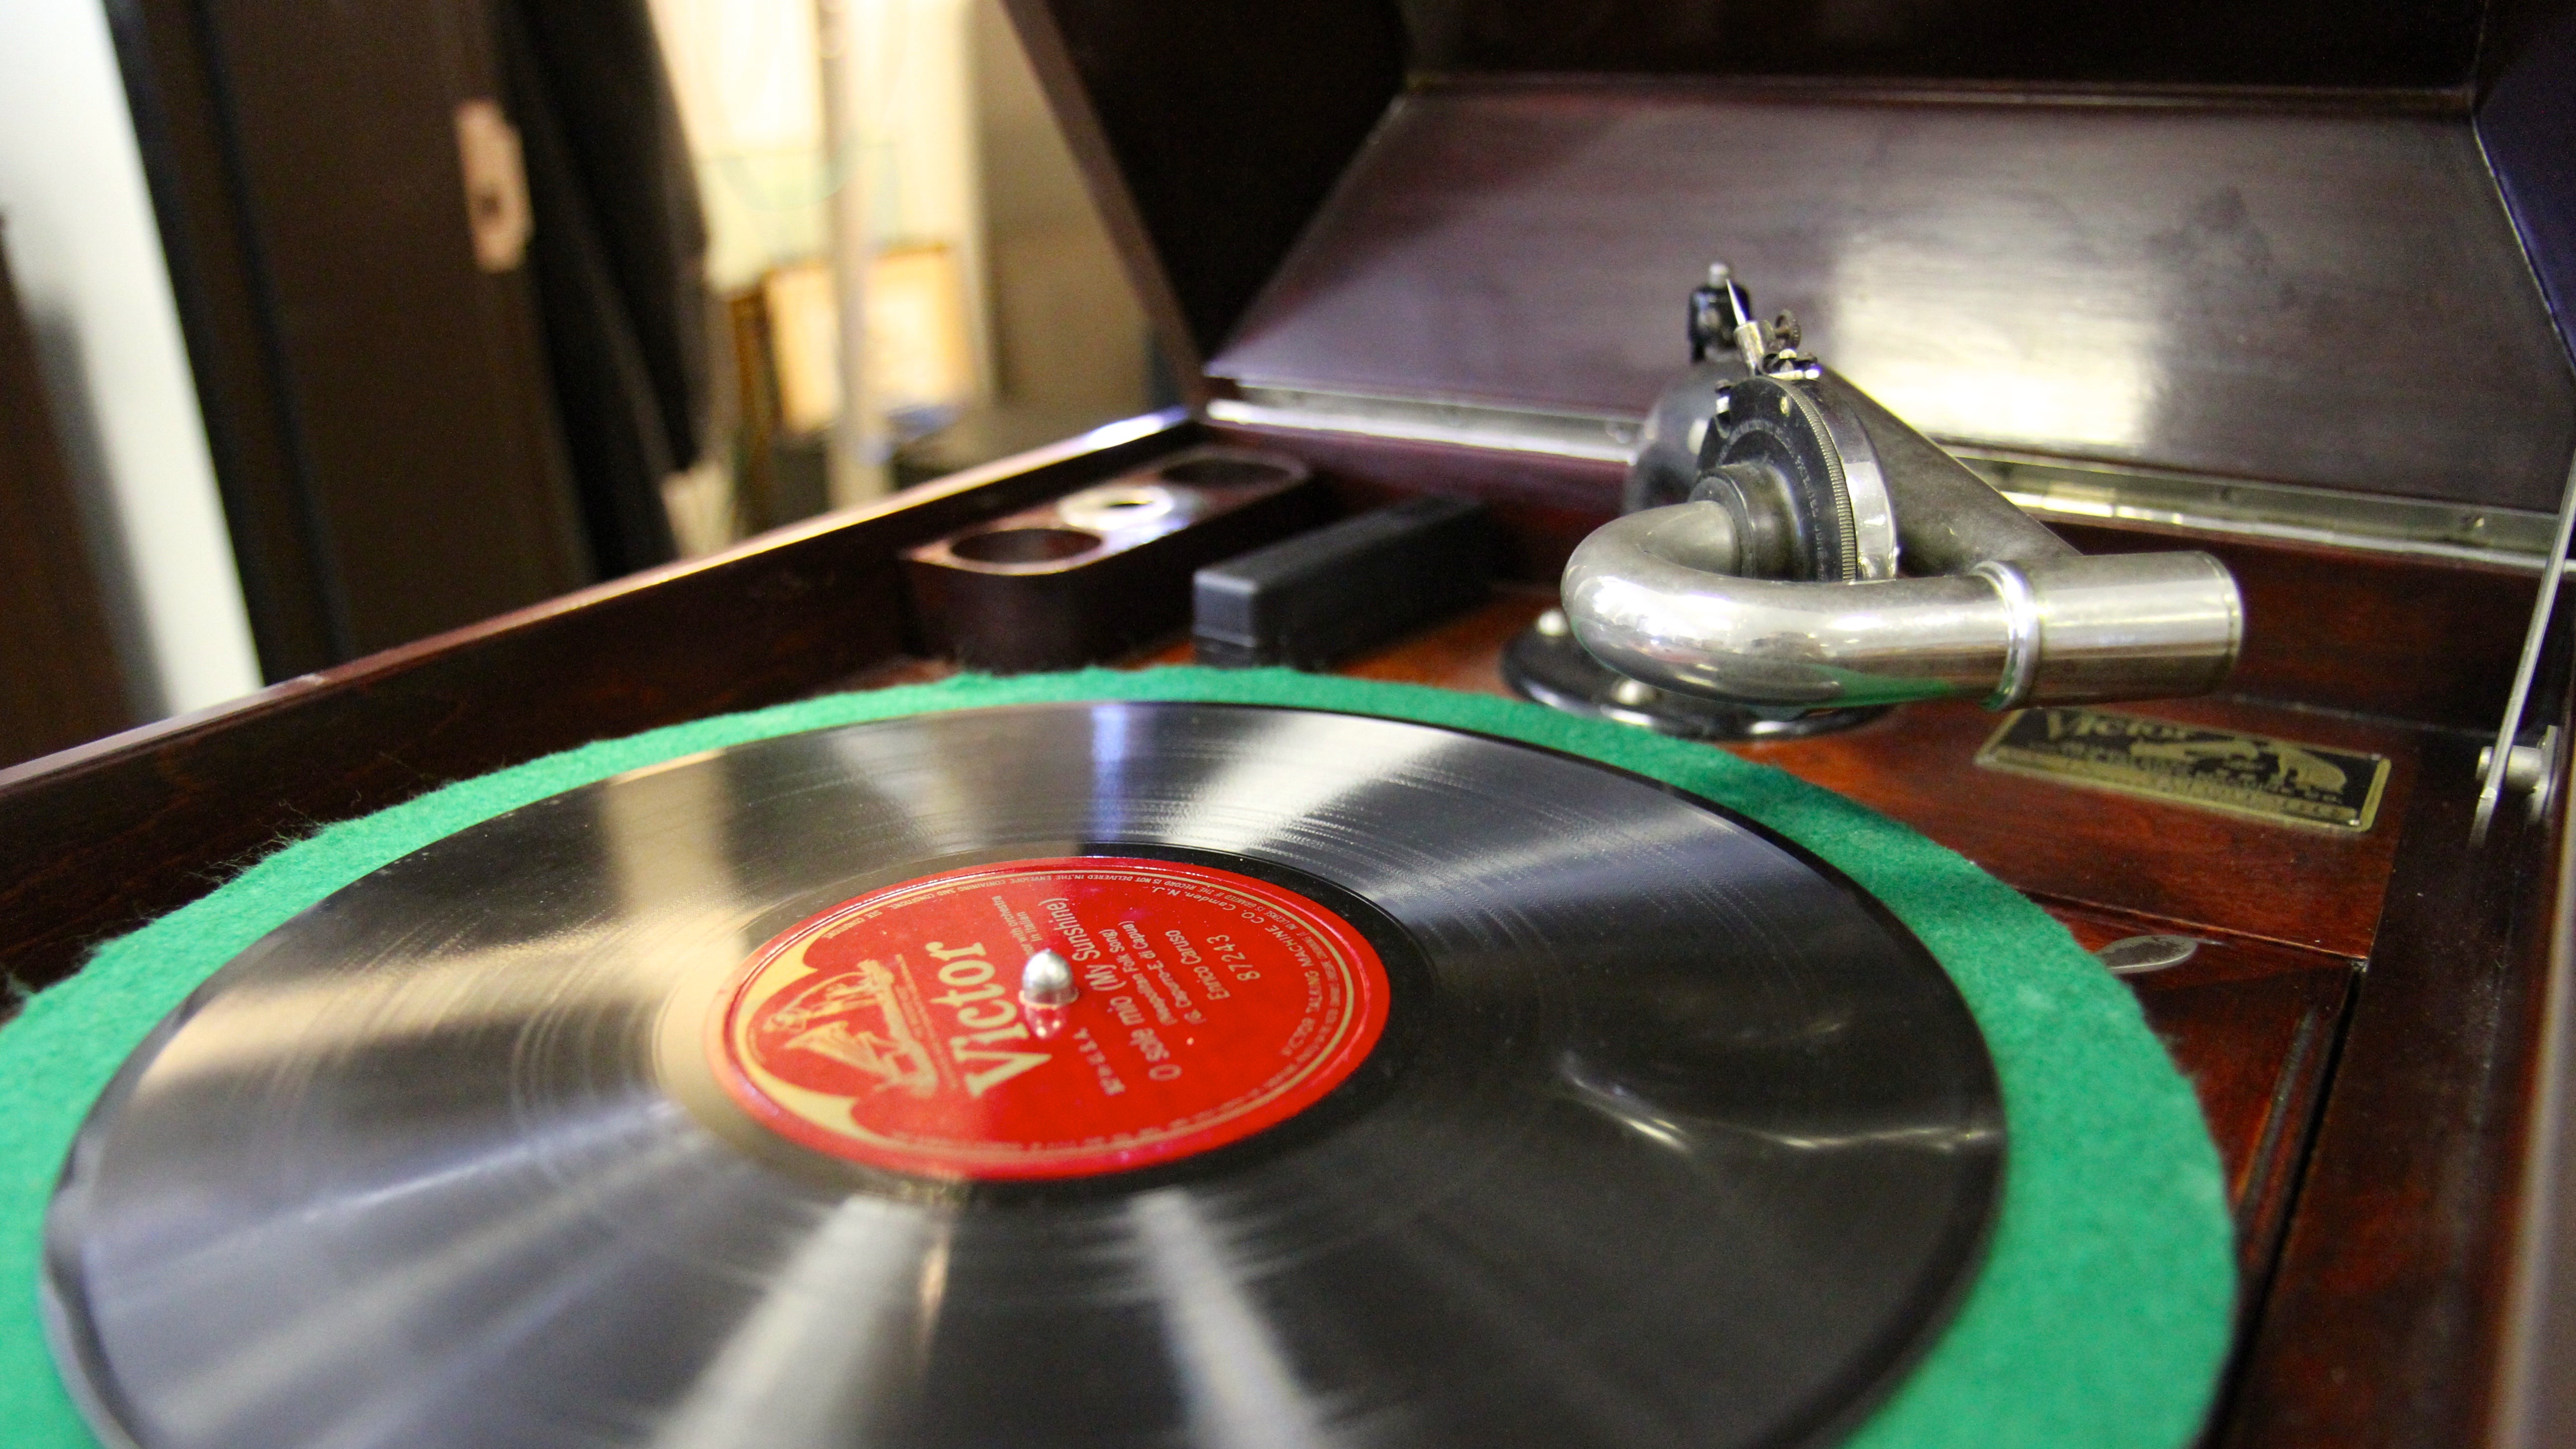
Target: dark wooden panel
x,y
58,676
99,839
2297,885
2376,634
2385,1314
1463,652
2273,42
2253,1025
2256,1052
1224,123
2308,296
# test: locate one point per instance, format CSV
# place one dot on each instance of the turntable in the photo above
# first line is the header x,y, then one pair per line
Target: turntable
x,y
2261,303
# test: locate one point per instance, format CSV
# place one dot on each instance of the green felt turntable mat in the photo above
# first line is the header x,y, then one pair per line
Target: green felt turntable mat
x,y
2099,1321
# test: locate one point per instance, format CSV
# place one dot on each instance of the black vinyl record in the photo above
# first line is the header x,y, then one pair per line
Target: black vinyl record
x,y
1662,1132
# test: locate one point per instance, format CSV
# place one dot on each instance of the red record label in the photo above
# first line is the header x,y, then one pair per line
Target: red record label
x,y
892,1029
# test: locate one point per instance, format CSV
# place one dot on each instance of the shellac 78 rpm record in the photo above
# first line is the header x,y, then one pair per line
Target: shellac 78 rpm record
x,y
1102,1074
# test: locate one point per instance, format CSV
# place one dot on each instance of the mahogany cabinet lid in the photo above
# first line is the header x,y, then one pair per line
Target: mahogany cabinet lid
x,y
1213,128
2310,295
2313,283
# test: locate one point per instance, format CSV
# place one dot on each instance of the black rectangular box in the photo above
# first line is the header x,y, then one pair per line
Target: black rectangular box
x,y
1325,595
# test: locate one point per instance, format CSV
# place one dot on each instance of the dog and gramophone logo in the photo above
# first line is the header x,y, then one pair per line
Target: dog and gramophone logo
x,y
2273,779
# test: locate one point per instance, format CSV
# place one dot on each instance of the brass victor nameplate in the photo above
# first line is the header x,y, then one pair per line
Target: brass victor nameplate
x,y
2271,779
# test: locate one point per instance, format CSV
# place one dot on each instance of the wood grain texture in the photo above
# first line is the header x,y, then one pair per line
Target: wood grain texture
x,y
2231,290
1544,505
2381,634
2256,1051
2385,1315
2253,1024
1462,652
2299,885
414,383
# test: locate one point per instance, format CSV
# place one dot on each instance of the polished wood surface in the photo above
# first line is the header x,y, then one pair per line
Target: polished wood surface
x,y
2229,289
2372,634
1544,505
2064,841
2253,1024
2386,1316
1105,594
1462,652
2257,1052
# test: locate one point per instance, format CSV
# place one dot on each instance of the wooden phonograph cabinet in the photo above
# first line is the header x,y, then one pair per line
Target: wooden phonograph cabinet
x,y
2271,280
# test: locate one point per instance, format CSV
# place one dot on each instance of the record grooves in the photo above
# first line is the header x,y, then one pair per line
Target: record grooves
x,y
1664,1133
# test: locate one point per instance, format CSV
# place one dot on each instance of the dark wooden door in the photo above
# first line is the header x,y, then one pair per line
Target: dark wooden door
x,y
377,400
58,676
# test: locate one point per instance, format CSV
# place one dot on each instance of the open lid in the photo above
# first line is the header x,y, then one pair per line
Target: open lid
x,y
2315,282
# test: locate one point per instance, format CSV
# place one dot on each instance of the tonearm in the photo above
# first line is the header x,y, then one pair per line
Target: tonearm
x,y
1829,556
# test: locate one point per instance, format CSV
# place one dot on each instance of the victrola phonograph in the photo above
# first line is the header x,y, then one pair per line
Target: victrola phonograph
x,y
2121,451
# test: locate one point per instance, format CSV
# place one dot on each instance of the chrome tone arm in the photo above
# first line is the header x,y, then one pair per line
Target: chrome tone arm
x,y
1644,599
1778,586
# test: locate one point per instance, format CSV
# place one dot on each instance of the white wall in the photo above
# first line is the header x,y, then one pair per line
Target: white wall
x,y
748,82
77,221
748,77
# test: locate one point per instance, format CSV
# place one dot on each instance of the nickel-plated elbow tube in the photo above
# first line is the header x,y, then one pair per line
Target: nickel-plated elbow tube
x,y
1779,585
1652,596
